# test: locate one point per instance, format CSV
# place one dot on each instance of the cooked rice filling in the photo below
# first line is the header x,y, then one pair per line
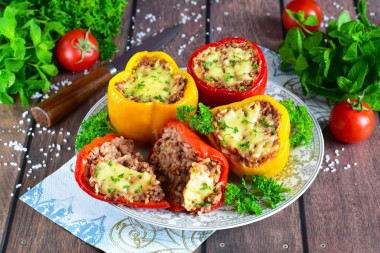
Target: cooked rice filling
x,y
233,66
153,80
118,171
189,180
249,134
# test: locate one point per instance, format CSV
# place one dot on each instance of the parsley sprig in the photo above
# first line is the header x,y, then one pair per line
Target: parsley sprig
x,y
301,123
97,125
262,192
201,121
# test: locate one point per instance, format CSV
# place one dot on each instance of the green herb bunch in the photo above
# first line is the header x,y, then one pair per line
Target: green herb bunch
x,y
301,123
201,121
27,38
262,192
343,62
103,17
97,125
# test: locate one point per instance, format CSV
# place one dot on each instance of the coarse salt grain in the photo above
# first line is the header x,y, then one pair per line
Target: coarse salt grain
x,y
219,28
18,186
355,164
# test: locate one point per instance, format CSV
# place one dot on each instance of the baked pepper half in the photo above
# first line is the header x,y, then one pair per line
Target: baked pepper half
x,y
228,71
193,174
142,98
253,134
102,171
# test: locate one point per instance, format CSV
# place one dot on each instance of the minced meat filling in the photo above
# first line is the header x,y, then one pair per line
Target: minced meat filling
x,y
105,166
232,66
153,80
249,134
190,181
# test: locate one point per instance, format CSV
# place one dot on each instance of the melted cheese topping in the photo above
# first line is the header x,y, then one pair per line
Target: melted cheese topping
x,y
112,178
199,187
156,83
230,65
247,131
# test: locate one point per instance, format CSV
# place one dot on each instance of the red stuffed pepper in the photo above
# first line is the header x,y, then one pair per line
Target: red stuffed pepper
x,y
110,169
228,71
193,174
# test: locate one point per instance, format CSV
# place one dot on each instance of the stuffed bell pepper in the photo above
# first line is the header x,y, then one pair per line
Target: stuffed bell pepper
x,y
193,174
228,71
142,98
253,134
110,169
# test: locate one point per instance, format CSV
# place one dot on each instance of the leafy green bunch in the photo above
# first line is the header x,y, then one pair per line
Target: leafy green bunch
x,y
343,62
26,42
103,17
262,192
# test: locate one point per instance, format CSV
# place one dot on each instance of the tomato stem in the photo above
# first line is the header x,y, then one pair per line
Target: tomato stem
x,y
358,106
84,45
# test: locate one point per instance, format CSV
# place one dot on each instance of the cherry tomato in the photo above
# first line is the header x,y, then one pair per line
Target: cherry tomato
x,y
77,50
349,125
309,7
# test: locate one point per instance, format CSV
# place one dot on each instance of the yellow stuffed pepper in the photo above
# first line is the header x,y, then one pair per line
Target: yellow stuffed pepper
x,y
253,134
142,98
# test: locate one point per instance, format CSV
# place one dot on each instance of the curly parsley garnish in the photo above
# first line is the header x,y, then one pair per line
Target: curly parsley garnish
x,y
201,121
263,192
97,125
301,123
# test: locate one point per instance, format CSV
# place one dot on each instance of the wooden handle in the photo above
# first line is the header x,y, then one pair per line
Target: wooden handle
x,y
57,106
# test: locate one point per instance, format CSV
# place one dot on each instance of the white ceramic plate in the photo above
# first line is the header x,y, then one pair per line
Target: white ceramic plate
x,y
300,171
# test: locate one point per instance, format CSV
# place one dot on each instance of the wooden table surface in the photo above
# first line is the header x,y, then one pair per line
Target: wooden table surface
x,y
338,213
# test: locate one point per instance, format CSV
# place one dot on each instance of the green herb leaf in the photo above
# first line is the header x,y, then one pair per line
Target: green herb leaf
x,y
311,20
301,123
202,120
97,125
183,112
262,192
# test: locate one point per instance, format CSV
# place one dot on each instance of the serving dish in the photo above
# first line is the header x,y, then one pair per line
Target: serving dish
x,y
300,171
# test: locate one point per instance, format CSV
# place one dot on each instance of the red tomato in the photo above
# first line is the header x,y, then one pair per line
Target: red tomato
x,y
349,125
309,7
77,50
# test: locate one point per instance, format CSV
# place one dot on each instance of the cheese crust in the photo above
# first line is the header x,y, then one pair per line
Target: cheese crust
x,y
153,80
232,66
248,134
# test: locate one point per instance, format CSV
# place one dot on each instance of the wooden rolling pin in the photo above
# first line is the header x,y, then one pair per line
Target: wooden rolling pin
x,y
57,106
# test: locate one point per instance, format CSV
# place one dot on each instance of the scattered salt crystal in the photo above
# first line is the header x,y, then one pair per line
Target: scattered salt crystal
x,y
372,14
5,164
68,148
57,154
28,188
203,7
348,166
45,154
85,72
68,133
44,128
24,114
29,161
12,194
138,10
21,122
219,28
18,186
226,13
19,169
342,149
355,164
64,140
267,14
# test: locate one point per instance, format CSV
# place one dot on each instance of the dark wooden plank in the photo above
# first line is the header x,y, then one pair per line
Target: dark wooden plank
x,y
152,16
259,21
341,211
342,208
27,223
13,131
